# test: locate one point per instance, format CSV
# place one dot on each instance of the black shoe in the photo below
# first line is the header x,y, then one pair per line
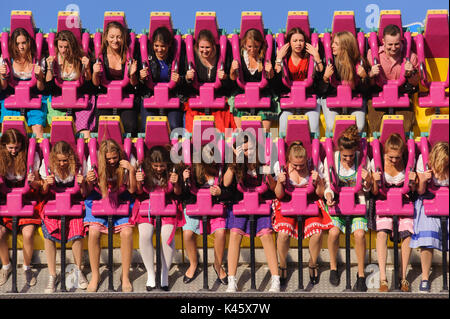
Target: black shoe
x,y
149,288
334,277
187,279
223,281
283,276
165,288
313,277
360,284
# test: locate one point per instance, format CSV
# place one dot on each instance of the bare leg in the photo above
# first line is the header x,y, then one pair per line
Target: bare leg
x,y
406,253
94,258
360,249
382,253
270,252
234,246
333,246
283,241
426,257
126,249
219,251
4,253
190,242
50,252
28,244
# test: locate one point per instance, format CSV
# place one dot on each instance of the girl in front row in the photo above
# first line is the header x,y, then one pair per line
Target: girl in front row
x,y
394,176
296,173
427,230
13,170
249,173
116,181
155,173
206,174
347,158
65,169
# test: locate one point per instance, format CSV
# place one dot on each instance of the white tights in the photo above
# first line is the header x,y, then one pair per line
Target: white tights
x,y
146,249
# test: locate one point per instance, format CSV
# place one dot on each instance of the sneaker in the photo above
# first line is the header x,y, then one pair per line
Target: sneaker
x,y
51,285
424,286
404,286
275,287
232,286
334,277
360,285
4,274
82,281
30,277
384,287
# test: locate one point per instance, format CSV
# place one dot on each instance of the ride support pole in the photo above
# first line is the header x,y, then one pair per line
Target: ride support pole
x,y
252,252
348,285
205,253
63,254
158,253
110,253
444,233
14,254
300,252
396,259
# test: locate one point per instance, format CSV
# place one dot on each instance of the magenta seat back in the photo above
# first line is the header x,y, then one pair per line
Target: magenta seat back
x,y
157,131
157,20
23,19
389,125
389,17
298,19
438,129
110,127
208,21
436,34
70,21
340,125
200,124
298,130
63,130
343,21
16,122
251,20
116,16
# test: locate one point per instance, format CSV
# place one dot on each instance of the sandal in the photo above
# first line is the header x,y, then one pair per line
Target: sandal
x,y
283,275
384,287
314,277
404,285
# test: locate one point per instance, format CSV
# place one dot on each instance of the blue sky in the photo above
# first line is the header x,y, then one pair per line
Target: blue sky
x,y
228,11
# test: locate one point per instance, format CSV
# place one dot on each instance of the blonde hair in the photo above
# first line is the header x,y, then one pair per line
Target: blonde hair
x,y
348,56
296,150
255,36
109,146
65,149
438,158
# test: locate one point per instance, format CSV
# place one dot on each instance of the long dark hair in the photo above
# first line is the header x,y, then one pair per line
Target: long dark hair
x,y
289,35
12,45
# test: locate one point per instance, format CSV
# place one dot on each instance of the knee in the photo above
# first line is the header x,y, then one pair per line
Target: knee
x,y
94,234
360,235
333,233
188,235
283,237
28,233
126,233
